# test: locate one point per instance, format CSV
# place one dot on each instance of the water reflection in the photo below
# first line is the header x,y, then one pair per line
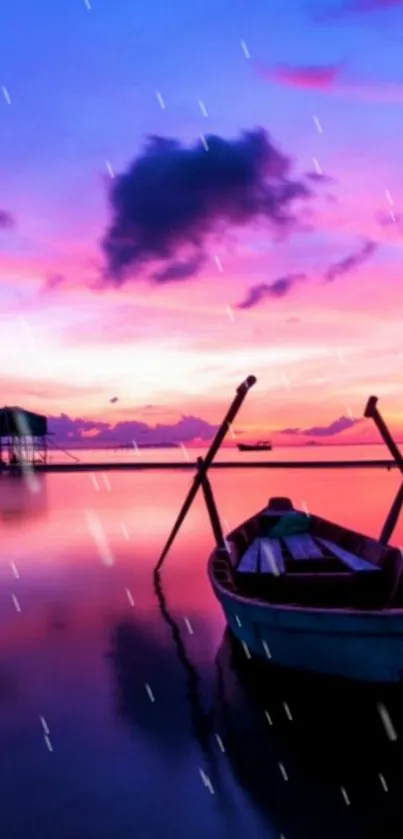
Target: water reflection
x,y
19,502
312,756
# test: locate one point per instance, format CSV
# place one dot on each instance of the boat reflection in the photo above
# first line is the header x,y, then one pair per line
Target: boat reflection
x,y
313,756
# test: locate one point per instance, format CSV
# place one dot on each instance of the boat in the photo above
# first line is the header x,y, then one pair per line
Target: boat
x,y
260,446
304,593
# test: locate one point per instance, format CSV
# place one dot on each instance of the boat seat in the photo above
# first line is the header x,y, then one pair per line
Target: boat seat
x,y
302,546
264,556
353,562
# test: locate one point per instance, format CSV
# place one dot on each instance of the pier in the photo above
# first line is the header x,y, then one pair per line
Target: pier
x,y
190,466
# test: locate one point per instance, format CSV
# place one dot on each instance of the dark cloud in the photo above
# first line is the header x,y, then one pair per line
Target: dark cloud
x,y
7,221
320,177
172,198
279,288
335,427
180,270
88,432
349,263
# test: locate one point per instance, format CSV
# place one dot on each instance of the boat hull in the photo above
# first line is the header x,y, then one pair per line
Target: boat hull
x,y
358,646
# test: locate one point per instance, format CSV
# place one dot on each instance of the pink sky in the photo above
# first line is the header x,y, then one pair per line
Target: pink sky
x,y
183,346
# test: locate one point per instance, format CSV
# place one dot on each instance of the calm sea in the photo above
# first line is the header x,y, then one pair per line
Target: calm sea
x,y
116,725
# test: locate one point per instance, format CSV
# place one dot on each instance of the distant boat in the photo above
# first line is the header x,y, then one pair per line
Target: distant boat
x,y
260,446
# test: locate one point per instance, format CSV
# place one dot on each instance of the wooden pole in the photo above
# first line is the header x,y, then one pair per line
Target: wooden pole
x,y
241,392
212,508
371,412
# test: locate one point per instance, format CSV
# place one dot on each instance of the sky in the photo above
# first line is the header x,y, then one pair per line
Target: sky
x,y
191,193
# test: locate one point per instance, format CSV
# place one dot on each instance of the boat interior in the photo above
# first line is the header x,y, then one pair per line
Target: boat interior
x,y
281,555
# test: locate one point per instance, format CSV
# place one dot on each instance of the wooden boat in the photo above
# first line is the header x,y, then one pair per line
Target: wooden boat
x,y
305,593
260,446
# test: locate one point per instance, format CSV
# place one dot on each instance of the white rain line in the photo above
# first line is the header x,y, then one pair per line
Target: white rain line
x,y
231,430
44,725
185,451
340,356
88,5
189,626
96,530
220,743
202,107
109,168
317,124
269,557
268,717
245,49
204,142
345,796
305,508
237,620
206,781
15,570
94,482
149,692
283,770
317,166
389,198
16,603
230,313
136,448
349,412
124,531
6,95
27,470
266,649
387,722
160,100
129,597
106,482
392,215
246,648
218,263
48,743
287,710
383,782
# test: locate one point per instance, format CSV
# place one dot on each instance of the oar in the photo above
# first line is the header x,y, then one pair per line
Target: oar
x,y
371,412
241,392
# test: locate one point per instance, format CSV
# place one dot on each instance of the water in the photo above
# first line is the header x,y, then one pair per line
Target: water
x,y
113,728
227,453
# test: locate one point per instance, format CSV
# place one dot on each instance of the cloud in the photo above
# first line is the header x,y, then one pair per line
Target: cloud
x,y
279,288
79,431
336,427
173,198
320,177
349,263
353,7
308,77
53,282
326,79
7,221
389,219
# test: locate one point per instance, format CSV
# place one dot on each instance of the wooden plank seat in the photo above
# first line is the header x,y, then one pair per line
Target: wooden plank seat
x,y
302,546
352,561
263,556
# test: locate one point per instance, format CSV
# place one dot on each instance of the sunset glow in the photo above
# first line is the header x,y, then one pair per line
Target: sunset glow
x,y
104,322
